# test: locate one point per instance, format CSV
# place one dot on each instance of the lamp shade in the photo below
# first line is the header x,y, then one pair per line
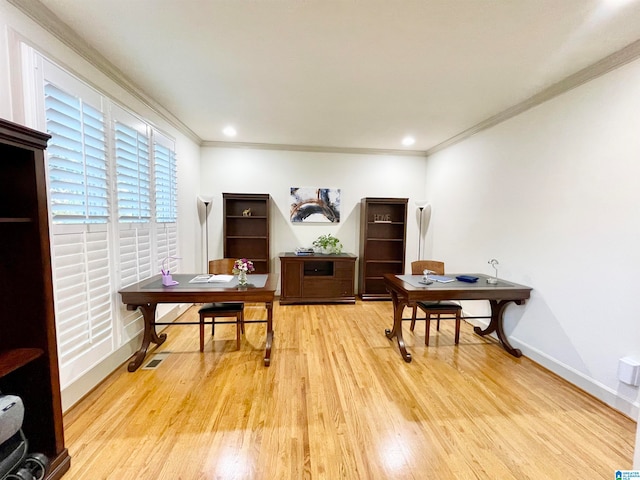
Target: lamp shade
x,y
206,199
421,204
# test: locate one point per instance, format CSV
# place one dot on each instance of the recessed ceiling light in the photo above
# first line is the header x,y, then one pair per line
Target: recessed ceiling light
x,y
229,131
616,3
408,141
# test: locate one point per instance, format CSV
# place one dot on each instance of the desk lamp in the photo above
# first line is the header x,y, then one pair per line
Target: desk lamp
x,y
425,279
493,281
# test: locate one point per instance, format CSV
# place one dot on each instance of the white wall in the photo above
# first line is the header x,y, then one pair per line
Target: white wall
x,y
553,195
274,172
636,457
15,27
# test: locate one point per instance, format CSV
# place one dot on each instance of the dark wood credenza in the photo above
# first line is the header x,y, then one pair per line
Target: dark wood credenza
x,y
317,278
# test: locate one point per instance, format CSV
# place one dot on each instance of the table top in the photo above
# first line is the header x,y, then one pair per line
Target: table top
x,y
408,286
318,255
151,290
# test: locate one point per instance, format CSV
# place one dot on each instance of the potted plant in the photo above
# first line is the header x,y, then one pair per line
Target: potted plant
x,y
327,244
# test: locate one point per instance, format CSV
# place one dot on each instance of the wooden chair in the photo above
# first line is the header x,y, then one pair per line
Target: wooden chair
x,y
222,309
434,308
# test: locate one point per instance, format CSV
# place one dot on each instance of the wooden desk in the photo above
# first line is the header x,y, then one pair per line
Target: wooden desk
x,y
147,294
405,290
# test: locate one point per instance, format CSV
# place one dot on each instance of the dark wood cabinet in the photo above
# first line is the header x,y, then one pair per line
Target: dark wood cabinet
x,y
28,349
317,278
246,228
383,229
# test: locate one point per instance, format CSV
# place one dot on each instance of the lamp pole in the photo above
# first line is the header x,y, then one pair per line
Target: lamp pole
x,y
206,235
420,234
206,200
421,206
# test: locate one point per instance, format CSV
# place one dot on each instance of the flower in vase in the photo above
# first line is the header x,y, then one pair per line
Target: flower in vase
x,y
243,265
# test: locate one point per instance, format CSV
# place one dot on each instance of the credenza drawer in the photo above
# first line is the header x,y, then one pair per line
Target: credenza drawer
x,y
327,287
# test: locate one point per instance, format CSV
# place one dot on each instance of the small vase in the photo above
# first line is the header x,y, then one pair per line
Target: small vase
x,y
242,278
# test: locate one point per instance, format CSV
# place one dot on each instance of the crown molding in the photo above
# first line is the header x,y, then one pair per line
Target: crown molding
x,y
312,148
609,63
48,20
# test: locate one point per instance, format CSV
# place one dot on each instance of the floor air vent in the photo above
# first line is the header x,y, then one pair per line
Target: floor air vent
x,y
155,361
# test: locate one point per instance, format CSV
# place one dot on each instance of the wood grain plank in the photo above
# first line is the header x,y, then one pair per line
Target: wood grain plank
x,y
338,402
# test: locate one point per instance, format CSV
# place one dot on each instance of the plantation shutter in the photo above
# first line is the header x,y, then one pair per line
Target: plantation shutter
x,y
83,300
167,245
135,254
134,198
79,199
165,182
77,159
133,174
164,161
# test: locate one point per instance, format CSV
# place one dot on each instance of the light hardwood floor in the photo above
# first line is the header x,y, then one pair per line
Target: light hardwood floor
x,y
338,402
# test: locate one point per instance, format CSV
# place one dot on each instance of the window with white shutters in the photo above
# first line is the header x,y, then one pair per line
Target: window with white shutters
x,y
113,207
79,205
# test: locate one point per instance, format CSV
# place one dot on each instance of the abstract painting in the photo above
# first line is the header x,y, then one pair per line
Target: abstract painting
x,y
309,204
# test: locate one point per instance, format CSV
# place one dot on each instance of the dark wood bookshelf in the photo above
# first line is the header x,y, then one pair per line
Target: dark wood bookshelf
x,y
28,347
383,228
246,228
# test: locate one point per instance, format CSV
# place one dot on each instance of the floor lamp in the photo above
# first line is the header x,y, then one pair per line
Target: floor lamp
x,y
421,205
206,199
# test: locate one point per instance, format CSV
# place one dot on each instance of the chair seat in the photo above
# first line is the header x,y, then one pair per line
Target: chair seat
x,y
221,307
439,305
437,308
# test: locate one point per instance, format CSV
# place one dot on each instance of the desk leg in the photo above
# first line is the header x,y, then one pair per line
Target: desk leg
x,y
398,308
267,354
496,324
150,335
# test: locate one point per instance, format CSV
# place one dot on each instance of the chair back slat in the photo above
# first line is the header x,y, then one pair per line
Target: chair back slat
x,y
420,266
222,266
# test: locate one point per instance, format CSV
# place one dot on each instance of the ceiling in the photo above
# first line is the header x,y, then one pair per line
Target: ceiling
x,y
347,74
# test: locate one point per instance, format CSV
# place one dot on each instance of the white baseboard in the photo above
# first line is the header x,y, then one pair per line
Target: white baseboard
x,y
75,392
603,393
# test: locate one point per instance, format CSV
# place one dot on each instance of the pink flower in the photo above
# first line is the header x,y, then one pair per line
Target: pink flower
x,y
243,265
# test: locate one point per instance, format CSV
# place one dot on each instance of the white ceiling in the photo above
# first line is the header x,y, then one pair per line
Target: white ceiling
x,y
347,73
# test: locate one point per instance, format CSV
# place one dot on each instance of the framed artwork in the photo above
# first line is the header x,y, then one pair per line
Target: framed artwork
x,y
309,204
